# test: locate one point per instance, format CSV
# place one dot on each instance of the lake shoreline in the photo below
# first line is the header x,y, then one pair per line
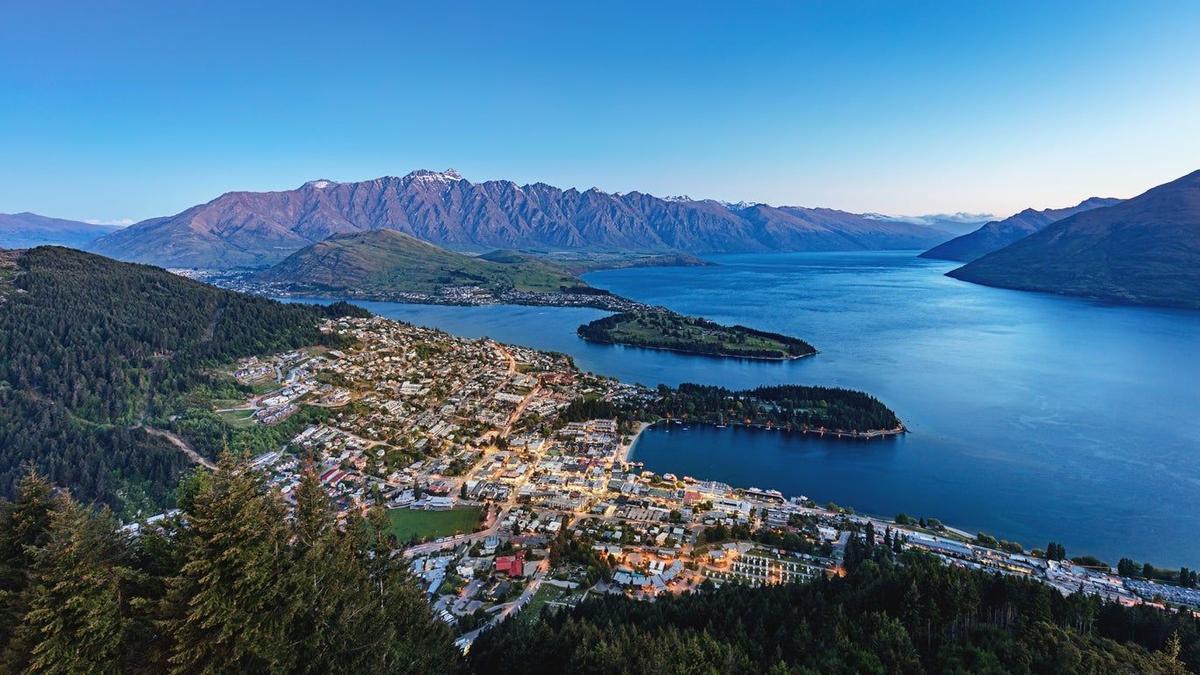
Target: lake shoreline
x,y
629,459
421,299
1009,431
780,359
839,435
626,449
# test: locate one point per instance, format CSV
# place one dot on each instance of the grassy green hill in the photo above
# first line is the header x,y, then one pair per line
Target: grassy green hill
x,y
387,261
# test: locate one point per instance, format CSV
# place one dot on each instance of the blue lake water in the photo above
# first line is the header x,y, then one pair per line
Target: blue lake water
x,y
1032,417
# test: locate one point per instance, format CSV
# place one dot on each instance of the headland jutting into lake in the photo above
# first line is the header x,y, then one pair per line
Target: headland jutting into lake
x,y
633,323
1009,411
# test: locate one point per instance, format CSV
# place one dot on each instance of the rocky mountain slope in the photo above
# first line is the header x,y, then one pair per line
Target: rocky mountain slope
x,y
443,208
997,234
1145,250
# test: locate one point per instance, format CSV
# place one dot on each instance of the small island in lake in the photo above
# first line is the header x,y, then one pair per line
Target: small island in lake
x,y
658,328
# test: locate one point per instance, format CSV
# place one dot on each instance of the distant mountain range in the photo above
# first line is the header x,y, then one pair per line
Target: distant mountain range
x,y
257,229
954,223
380,262
27,230
1144,250
997,234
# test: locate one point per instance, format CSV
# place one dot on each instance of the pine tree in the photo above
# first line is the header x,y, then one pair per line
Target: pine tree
x,y
356,609
231,587
1172,648
1055,551
79,616
313,517
24,526
1187,578
159,559
318,582
414,641
234,585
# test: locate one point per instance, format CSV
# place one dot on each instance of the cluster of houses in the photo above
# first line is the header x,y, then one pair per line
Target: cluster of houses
x,y
422,420
753,565
253,370
1154,591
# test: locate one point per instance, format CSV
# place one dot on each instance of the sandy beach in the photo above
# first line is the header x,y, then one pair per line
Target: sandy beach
x,y
623,451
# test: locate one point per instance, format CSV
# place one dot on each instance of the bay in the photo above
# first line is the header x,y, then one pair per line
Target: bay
x,y
1032,417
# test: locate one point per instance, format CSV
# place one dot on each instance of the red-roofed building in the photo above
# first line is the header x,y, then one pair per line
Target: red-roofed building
x,y
512,565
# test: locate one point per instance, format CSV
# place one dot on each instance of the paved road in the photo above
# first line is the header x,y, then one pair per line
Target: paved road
x,y
519,410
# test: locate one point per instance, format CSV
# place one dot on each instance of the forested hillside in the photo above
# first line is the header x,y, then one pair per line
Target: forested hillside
x,y
794,407
90,348
791,406
234,586
919,616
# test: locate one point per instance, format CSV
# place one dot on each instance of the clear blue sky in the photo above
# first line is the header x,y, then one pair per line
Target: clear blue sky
x,y
121,110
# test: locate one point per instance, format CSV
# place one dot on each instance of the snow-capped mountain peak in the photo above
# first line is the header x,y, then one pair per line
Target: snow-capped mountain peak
x,y
425,175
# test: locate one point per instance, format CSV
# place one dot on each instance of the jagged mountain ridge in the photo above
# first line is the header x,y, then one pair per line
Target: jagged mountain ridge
x,y
997,234
443,208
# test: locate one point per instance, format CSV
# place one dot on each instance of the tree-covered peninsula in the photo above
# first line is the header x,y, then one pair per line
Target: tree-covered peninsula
x,y
793,407
664,329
